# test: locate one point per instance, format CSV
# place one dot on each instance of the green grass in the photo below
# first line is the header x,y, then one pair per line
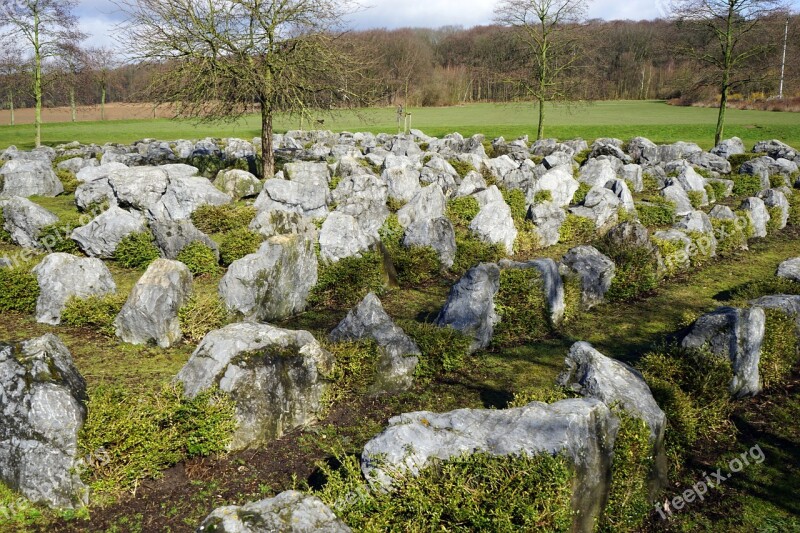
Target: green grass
x,y
655,120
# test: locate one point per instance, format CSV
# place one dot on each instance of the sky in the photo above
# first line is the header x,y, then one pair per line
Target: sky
x,y
98,17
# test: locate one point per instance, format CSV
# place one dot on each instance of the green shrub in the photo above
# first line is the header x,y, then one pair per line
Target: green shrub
x,y
414,265
778,180
133,435
56,238
488,148
656,212
545,195
461,167
95,312
528,239
700,250
751,290
515,199
582,156
745,185
691,387
343,284
628,503
731,235
719,189
695,198
222,218
580,194
462,210
5,237
775,217
471,493
794,209
470,251
780,350
637,270
137,251
674,255
239,243
199,258
444,349
68,180
355,370
19,290
395,205
551,394
201,314
210,165
520,304
576,229
736,160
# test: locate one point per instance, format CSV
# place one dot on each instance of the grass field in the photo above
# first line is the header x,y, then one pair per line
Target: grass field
x,y
655,120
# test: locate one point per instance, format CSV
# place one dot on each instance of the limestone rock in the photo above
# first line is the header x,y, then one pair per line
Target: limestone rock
x,y
238,184
470,304
595,271
24,220
101,236
62,276
151,312
276,378
274,282
790,269
20,177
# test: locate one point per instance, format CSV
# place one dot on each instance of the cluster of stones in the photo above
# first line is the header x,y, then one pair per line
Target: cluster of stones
x,y
149,186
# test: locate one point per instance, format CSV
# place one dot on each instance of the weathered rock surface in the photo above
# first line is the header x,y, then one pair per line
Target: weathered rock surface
x,y
172,236
470,304
736,334
582,429
62,276
101,236
756,210
288,512
548,218
790,269
274,282
341,236
276,378
369,320
294,196
29,178
595,271
438,233
729,147
493,223
151,312
42,410
24,220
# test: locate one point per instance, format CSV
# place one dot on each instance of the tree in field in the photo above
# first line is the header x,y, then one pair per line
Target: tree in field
x,y
546,30
727,41
11,78
223,56
44,26
71,64
101,62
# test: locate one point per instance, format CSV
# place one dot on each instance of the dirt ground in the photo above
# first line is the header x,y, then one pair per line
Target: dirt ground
x,y
114,111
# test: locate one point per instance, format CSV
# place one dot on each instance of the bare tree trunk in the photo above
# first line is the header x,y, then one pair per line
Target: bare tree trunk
x,y
72,108
11,106
540,130
103,102
37,81
723,104
267,152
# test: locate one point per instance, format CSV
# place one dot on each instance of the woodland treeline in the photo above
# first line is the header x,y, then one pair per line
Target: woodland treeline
x,y
451,65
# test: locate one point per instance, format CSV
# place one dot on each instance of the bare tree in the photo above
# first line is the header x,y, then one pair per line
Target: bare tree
x,y
227,54
545,29
44,26
726,44
102,61
71,64
12,64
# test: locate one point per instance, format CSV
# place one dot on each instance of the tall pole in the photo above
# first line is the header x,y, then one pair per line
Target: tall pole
x,y
783,62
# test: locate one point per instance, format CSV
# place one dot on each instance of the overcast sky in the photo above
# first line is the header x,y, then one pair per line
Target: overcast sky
x,y
99,16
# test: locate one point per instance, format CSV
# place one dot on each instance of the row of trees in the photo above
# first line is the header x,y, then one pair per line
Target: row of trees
x,y
222,58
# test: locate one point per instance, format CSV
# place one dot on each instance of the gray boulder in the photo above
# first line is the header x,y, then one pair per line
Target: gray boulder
x,y
559,182
90,173
548,218
472,183
643,151
737,335
151,312
75,164
20,177
678,150
493,223
272,223
24,220
787,304
62,276
139,187
172,236
757,212
677,195
595,271
633,176
790,269
728,147
584,430
42,411
622,192
342,236
600,205
710,161
679,259
94,193
238,184
402,180
288,512
363,196
438,233
470,305
776,203
399,352
184,195
428,203
101,236
759,167
597,172
295,197
776,149
308,173
273,283
699,222
609,147
276,378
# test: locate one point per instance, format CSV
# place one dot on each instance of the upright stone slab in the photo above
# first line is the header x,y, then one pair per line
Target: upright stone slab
x,y
595,271
470,305
399,358
151,312
42,410
277,378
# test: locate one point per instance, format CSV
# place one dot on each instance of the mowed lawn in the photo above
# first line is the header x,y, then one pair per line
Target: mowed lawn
x,y
655,120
